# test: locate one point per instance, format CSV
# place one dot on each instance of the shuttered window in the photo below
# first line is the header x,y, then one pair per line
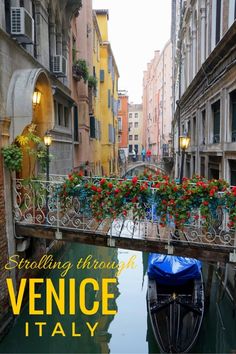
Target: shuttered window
x,y
102,75
92,127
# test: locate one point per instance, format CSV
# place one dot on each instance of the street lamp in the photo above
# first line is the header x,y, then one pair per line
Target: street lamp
x,y
184,142
36,99
47,141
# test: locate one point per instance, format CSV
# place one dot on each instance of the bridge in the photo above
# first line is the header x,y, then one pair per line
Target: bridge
x,y
39,212
132,166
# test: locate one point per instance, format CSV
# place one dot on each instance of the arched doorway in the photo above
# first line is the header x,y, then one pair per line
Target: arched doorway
x,y
23,113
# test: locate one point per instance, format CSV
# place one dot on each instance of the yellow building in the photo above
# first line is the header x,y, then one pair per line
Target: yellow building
x,y
106,102
95,103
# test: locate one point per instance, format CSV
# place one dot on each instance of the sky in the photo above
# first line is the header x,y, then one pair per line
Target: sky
x,y
136,28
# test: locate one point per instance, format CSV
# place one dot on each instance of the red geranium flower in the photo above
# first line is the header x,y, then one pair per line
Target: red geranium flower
x,y
103,181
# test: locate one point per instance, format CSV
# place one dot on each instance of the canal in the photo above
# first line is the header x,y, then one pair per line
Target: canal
x,y
128,331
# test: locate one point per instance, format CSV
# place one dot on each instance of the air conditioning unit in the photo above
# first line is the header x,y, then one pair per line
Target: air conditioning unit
x,y
22,25
59,65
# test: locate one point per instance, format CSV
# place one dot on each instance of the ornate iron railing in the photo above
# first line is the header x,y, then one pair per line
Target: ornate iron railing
x,y
38,202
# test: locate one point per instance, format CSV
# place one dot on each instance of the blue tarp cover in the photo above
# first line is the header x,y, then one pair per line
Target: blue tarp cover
x,y
172,270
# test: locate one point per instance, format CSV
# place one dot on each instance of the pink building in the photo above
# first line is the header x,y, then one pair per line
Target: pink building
x,y
81,49
157,104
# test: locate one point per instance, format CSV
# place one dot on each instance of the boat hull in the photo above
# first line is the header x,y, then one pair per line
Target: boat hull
x,y
176,313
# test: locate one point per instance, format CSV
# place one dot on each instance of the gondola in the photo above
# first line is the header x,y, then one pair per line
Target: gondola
x,y
175,300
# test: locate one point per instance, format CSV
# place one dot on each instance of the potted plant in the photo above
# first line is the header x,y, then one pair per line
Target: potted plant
x,y
13,157
80,70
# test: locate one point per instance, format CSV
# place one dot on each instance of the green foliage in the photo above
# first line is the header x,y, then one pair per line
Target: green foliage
x,y
195,201
41,155
92,82
13,157
29,143
82,69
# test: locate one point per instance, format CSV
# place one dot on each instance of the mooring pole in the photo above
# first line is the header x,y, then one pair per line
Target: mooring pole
x,y
209,283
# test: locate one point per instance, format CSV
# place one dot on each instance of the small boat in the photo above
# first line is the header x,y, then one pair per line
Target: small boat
x,y
175,300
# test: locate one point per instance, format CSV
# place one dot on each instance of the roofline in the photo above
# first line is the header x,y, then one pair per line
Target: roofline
x,y
102,12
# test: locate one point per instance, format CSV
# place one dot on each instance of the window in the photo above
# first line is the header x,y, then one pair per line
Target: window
x,y
136,124
119,138
60,114
130,115
202,166
136,137
194,132
119,123
8,15
92,127
109,63
165,148
76,124
216,122
130,148
102,75
109,98
232,164
73,50
194,165
203,127
66,117
218,20
232,12
119,104
135,115
130,137
233,115
136,148
188,127
131,125
111,133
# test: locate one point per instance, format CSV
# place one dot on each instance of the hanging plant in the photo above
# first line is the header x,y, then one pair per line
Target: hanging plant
x,y
13,157
92,82
80,70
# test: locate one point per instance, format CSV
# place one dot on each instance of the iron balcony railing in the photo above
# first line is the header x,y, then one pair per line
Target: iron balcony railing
x,y
38,202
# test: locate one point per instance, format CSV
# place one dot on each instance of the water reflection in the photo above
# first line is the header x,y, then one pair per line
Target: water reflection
x,y
82,342
129,331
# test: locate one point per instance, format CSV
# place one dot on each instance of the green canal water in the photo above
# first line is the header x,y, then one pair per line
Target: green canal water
x,y
128,331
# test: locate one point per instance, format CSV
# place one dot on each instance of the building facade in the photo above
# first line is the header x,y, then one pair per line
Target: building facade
x,y
34,39
157,104
206,108
135,129
123,128
108,76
